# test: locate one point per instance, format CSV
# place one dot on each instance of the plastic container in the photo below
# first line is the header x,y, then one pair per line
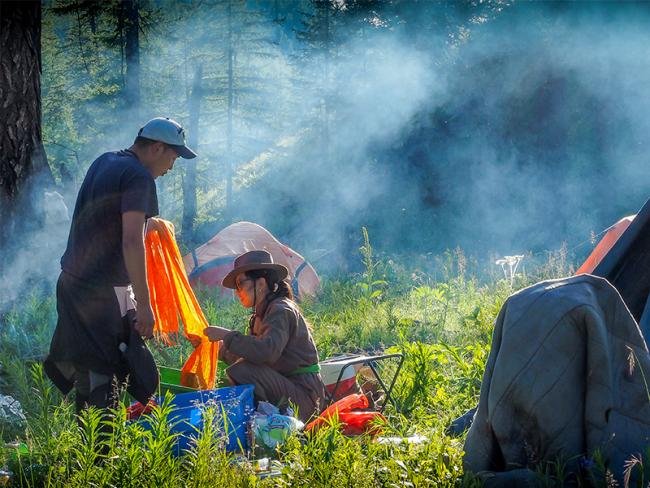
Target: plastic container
x,y
330,371
234,408
170,380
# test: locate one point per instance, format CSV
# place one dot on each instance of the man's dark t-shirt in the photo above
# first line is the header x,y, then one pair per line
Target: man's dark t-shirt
x,y
115,183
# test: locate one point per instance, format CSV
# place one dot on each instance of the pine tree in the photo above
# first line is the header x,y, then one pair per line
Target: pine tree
x,y
242,100
22,156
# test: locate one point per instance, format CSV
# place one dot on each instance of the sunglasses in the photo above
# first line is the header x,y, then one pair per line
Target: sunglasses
x,y
239,284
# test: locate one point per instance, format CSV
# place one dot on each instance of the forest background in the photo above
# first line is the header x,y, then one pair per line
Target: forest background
x,y
497,127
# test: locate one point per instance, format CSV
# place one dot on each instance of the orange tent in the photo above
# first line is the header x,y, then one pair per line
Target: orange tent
x,y
612,235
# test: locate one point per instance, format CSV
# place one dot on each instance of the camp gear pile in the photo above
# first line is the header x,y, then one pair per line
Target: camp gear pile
x,y
270,428
351,411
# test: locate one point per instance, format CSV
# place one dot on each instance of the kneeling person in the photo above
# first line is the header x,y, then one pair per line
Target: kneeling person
x,y
278,356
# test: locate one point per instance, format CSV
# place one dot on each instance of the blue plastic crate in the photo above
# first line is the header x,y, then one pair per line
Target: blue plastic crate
x,y
236,403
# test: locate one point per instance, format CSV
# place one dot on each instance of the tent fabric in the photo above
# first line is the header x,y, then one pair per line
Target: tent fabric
x,y
627,264
171,295
212,261
565,377
612,234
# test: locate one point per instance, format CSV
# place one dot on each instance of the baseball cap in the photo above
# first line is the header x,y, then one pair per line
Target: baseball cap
x,y
170,132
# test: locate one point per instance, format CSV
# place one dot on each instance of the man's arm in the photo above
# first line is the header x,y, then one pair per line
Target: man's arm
x,y
134,258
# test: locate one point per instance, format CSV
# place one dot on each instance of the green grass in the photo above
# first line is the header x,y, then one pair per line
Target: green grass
x,y
437,312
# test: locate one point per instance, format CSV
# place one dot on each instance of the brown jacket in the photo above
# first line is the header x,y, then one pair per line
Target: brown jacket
x,y
281,339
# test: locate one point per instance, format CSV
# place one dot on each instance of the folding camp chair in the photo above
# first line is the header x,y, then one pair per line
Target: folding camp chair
x,y
344,368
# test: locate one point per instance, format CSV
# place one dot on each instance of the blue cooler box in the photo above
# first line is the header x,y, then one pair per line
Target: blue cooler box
x,y
236,404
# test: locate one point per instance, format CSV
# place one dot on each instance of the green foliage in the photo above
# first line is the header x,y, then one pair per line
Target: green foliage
x,y
442,327
372,288
328,458
26,328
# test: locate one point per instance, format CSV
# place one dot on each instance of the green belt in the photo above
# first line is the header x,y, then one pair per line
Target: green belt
x,y
314,368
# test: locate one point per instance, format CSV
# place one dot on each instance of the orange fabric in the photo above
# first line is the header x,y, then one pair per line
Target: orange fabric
x,y
171,296
346,404
605,245
353,420
357,422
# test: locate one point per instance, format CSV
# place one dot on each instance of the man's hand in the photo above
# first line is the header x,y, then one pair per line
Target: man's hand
x,y
216,333
154,224
144,320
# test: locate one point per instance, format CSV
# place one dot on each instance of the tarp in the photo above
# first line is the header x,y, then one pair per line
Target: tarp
x,y
212,261
565,376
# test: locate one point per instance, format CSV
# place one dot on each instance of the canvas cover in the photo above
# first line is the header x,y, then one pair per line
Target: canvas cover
x,y
212,261
565,376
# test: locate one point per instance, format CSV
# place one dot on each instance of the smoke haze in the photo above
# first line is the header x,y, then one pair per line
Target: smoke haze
x,y
499,127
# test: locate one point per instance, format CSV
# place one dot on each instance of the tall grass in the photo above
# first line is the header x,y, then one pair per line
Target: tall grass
x,y
438,312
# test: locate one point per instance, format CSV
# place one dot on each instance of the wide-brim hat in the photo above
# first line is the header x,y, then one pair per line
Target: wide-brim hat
x,y
253,260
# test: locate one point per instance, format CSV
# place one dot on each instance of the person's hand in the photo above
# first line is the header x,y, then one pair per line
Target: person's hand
x,y
144,320
194,340
215,333
154,224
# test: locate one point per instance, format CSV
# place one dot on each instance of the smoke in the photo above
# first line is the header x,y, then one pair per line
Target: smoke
x,y
528,132
548,121
507,131
32,261
333,179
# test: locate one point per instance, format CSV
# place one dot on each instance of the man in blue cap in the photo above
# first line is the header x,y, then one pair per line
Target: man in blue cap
x,y
103,272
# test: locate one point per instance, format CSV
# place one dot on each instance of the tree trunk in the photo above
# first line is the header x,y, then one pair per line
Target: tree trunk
x,y
132,56
22,157
189,182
